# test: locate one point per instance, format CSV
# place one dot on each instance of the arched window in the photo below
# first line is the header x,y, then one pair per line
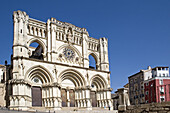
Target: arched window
x,y
92,62
36,51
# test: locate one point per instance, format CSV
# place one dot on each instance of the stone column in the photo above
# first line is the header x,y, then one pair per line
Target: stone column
x,y
57,96
109,100
53,42
88,102
48,40
85,48
68,98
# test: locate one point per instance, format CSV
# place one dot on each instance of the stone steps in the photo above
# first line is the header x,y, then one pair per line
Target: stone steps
x,y
72,109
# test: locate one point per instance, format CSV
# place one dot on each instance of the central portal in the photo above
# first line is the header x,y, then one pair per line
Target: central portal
x,y
68,93
36,96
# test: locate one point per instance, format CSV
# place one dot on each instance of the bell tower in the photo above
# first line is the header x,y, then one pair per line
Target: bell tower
x,y
20,20
104,54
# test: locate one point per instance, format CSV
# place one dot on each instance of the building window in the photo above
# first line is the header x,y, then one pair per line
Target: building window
x,y
159,74
135,79
167,74
159,68
131,81
146,101
161,90
147,92
163,75
162,98
147,84
161,82
136,86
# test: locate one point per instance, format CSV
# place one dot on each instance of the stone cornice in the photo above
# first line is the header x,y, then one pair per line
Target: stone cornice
x,y
19,81
60,64
55,84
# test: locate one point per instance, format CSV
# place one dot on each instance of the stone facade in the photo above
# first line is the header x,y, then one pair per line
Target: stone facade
x,y
56,73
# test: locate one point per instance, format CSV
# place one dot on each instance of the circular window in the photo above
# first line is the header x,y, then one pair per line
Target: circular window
x,y
68,53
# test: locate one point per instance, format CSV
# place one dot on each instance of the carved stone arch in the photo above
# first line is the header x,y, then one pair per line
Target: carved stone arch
x,y
39,41
76,83
40,71
72,75
96,57
96,84
71,47
101,82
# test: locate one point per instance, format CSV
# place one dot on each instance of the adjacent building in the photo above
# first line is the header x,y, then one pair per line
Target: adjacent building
x,y
151,85
157,89
5,91
136,86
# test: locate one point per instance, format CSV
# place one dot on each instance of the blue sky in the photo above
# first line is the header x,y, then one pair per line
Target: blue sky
x,y
138,30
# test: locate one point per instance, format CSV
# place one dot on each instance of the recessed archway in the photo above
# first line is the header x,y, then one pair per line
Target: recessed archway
x,y
93,61
36,51
70,80
38,76
97,83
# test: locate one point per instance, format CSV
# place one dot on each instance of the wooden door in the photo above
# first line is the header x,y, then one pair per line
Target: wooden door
x,y
36,96
93,98
72,98
64,98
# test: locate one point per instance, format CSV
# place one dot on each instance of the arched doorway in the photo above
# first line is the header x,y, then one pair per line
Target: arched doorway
x,y
97,94
70,81
36,96
36,91
68,93
39,77
93,98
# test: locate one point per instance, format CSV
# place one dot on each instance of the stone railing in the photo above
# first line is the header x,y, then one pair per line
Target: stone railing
x,y
36,28
76,39
93,44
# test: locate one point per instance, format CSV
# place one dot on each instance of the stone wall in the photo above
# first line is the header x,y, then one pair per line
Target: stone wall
x,y
163,107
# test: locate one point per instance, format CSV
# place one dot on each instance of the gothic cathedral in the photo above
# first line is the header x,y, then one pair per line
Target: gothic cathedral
x,y
50,66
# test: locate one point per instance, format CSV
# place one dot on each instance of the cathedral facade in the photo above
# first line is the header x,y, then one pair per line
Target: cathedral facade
x,y
55,73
